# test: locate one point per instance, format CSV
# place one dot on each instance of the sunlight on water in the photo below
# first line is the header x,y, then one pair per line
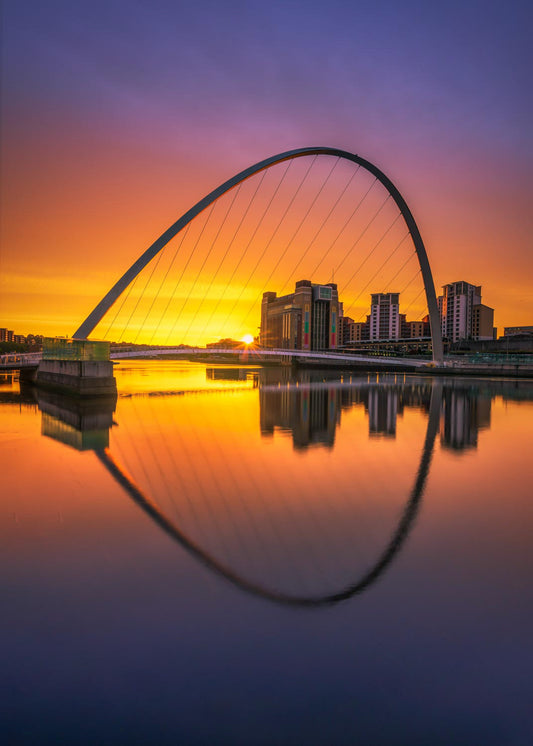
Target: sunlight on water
x,y
218,498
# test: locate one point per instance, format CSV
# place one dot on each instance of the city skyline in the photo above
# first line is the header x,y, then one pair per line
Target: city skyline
x,y
402,327
101,152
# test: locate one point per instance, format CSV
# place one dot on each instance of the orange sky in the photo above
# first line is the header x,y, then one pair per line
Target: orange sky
x,y
92,172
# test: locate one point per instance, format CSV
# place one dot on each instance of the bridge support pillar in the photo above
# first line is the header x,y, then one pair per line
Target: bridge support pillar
x,y
76,367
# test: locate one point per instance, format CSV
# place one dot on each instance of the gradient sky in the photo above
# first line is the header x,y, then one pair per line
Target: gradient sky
x,y
118,116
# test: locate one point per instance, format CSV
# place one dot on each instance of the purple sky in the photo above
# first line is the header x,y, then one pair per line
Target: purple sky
x,y
437,95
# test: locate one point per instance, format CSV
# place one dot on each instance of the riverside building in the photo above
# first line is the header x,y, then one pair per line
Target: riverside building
x,y
385,316
307,319
385,322
462,314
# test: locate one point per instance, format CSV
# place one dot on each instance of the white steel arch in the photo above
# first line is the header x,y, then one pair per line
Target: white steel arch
x,y
109,299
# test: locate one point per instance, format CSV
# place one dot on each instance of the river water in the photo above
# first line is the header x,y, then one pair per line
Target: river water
x,y
259,556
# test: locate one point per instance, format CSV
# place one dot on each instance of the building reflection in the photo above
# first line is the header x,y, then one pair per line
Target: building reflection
x,y
464,412
310,414
227,374
385,402
309,405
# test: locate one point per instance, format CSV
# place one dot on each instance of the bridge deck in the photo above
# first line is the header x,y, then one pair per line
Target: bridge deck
x,y
13,362
260,354
17,361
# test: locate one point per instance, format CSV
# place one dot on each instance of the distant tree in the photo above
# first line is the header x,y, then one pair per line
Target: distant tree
x,y
12,347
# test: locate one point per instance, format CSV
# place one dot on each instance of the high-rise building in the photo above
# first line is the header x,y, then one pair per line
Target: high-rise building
x,y
483,322
385,316
360,331
462,314
384,322
307,319
345,324
414,329
351,331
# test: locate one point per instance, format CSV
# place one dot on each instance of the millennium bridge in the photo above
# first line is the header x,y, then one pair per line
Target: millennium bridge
x,y
233,245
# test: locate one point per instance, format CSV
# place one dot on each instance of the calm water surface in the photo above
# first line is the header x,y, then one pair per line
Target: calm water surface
x,y
255,556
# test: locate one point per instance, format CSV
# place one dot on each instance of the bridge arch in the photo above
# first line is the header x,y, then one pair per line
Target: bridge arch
x,y
109,299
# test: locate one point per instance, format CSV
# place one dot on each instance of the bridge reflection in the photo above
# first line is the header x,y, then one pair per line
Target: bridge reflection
x,y
266,527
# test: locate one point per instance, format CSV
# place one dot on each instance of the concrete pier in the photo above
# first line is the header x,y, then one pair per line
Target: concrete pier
x,y
76,367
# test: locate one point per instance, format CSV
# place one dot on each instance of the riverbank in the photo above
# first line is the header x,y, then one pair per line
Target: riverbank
x,y
450,368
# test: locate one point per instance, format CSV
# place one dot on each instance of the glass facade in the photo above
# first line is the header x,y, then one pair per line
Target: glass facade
x,y
61,348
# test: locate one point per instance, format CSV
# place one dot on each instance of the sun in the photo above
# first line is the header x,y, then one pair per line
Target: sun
x,y
248,339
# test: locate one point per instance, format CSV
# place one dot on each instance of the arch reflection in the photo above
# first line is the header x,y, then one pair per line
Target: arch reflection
x,y
308,408
383,561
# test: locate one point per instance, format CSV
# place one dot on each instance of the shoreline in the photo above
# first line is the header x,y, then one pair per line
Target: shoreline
x,y
479,370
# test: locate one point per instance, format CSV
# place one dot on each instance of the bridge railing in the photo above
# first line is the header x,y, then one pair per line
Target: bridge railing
x,y
259,354
23,358
63,348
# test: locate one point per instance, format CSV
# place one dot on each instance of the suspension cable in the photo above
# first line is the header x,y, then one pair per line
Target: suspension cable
x,y
341,195
157,294
187,264
363,232
243,288
371,252
413,278
265,211
414,299
231,242
378,270
205,260
199,273
171,298
332,244
265,284
141,294
411,256
119,308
